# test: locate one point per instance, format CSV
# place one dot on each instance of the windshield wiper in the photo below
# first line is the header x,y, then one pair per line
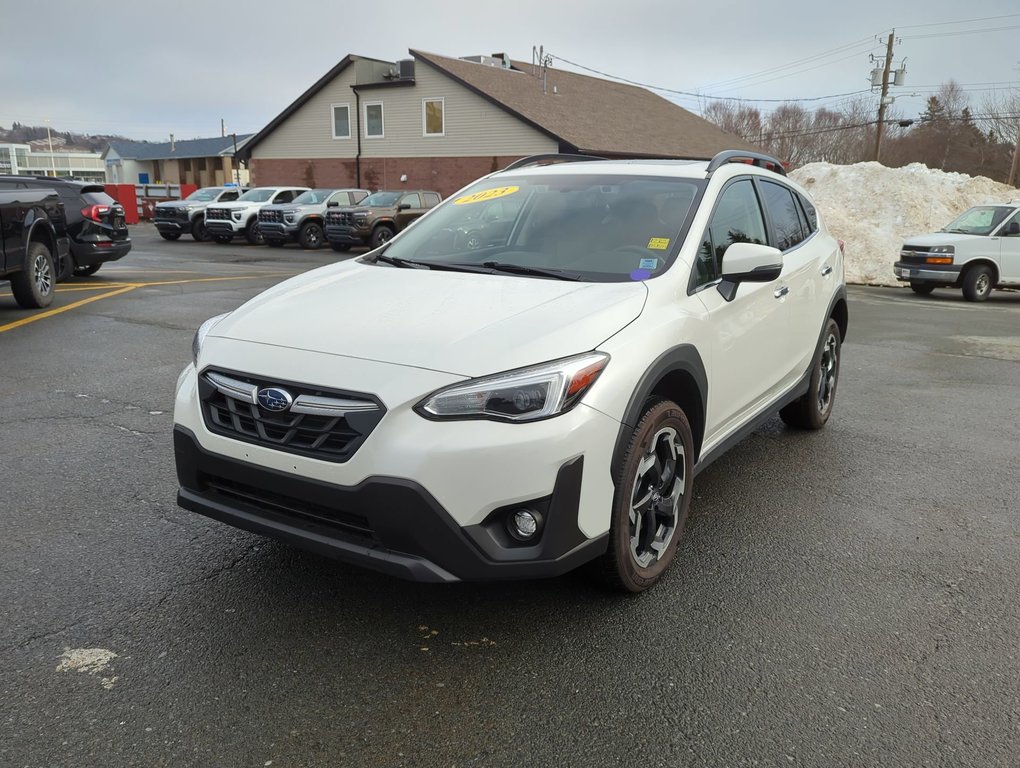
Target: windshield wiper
x,y
439,266
960,231
404,263
520,269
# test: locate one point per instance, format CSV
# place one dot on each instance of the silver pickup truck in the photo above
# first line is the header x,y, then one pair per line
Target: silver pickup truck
x,y
301,220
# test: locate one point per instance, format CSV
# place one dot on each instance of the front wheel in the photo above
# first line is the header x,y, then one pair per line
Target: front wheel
x,y
978,283
921,289
198,231
653,496
170,235
311,236
253,234
381,235
812,410
33,286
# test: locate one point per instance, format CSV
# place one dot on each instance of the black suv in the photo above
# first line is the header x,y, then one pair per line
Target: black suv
x,y
95,222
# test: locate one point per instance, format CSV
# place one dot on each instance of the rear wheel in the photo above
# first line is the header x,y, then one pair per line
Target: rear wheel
x,y
311,236
170,235
198,230
252,233
812,411
66,268
340,247
381,235
33,286
653,496
88,269
978,283
921,289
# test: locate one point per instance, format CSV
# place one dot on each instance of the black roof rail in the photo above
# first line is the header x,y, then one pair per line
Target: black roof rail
x,y
756,158
550,157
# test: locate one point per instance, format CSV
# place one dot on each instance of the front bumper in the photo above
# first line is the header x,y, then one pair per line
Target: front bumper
x,y
274,230
174,226
386,524
345,235
940,274
220,227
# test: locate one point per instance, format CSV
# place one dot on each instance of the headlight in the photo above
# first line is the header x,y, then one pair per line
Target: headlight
x,y
527,394
201,333
943,249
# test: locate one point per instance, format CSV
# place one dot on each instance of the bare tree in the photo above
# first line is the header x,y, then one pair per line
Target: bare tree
x,y
1001,119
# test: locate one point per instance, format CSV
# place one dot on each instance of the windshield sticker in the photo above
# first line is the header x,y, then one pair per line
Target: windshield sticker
x,y
640,274
487,194
649,263
658,243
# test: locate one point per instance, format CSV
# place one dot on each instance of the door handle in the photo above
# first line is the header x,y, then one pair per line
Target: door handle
x,y
781,292
826,270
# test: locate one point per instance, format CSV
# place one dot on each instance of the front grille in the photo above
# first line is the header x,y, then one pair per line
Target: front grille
x,y
332,438
339,217
271,217
217,214
281,506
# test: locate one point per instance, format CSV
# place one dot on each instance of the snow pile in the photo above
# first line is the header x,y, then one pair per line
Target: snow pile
x,y
874,208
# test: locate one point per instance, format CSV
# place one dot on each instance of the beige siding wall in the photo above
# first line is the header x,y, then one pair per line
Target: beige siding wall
x,y
473,126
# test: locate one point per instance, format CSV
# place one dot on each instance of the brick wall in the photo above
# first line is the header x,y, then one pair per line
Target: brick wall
x,y
443,174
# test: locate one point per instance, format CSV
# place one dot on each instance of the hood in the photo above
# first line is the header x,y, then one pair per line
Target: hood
x,y
291,206
236,204
459,323
939,238
178,204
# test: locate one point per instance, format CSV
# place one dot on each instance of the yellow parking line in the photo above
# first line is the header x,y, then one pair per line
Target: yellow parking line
x,y
93,287
58,310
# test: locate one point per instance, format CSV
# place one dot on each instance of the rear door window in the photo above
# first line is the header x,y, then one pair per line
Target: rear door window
x,y
431,199
782,208
412,200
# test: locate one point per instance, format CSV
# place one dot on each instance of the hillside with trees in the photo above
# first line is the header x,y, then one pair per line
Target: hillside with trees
x,y
62,140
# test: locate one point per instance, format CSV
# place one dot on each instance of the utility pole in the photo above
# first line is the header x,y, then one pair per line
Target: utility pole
x,y
1011,179
49,137
883,100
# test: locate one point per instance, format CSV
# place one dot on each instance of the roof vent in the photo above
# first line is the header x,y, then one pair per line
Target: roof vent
x,y
488,61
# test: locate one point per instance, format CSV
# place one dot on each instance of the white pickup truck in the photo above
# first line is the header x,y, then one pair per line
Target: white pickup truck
x,y
225,221
977,251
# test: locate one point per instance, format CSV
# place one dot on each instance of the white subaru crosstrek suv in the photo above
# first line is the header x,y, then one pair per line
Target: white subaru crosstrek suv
x,y
533,397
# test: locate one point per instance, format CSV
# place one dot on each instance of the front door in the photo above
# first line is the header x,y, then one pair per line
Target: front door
x,y
1009,252
414,209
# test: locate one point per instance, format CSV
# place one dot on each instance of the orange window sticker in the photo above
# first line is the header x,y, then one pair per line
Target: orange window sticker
x,y
485,194
658,243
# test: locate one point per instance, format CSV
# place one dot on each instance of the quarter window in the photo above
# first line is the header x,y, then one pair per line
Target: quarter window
x,y
431,199
374,121
782,208
433,117
341,121
737,219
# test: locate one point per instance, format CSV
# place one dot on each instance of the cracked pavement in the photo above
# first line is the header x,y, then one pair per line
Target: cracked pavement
x,y
842,598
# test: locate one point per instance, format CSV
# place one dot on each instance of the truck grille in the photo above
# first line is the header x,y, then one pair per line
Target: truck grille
x,y
339,217
271,217
217,214
341,424
170,214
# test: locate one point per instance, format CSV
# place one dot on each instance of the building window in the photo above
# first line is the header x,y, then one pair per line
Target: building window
x,y
374,120
432,117
341,121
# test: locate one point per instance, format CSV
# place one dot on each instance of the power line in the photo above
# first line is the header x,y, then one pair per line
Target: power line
x,y
961,21
961,32
695,95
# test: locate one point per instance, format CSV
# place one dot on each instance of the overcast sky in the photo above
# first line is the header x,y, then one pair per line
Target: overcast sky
x,y
148,69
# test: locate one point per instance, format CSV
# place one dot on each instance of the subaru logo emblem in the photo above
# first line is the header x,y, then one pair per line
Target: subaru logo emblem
x,y
275,399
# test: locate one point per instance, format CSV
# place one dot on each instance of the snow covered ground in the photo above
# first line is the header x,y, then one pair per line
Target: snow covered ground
x,y
874,208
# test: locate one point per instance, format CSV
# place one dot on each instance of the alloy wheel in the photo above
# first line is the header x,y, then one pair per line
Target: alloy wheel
x,y
827,379
655,499
42,274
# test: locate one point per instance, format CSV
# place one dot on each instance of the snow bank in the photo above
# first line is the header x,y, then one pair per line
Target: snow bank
x,y
874,208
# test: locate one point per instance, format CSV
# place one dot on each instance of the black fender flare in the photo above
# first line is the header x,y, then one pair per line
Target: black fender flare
x,y
35,219
683,358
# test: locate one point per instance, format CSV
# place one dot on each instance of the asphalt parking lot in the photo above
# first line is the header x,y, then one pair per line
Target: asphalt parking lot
x,y
847,597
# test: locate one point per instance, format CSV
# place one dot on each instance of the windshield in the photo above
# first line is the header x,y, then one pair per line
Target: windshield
x,y
381,198
258,195
981,220
313,196
203,195
592,227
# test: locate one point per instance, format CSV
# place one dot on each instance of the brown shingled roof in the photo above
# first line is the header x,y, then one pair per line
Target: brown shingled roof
x,y
592,115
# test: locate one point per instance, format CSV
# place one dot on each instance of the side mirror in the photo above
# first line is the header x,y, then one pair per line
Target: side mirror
x,y
333,204
748,263
404,206
1013,228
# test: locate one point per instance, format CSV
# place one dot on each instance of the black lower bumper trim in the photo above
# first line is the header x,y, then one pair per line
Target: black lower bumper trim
x,y
387,524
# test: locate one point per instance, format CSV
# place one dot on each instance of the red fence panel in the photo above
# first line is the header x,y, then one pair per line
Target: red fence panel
x,y
125,195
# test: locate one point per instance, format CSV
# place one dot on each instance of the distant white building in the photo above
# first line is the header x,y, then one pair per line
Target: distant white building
x,y
24,160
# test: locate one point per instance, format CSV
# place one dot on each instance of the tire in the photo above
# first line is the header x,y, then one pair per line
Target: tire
x,y
66,268
921,289
812,411
252,233
340,247
223,239
88,269
381,235
274,243
978,283
650,492
311,237
33,286
170,235
198,231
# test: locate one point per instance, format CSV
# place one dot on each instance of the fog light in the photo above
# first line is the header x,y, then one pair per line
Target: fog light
x,y
524,524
